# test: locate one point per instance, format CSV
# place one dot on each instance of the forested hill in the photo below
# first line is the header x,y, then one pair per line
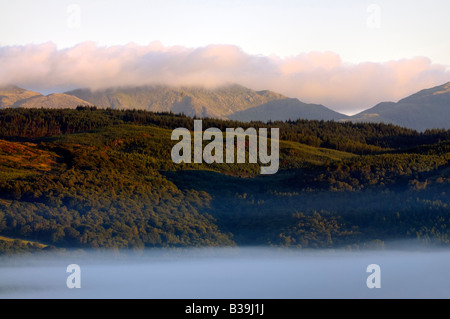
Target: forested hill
x,y
357,138
89,177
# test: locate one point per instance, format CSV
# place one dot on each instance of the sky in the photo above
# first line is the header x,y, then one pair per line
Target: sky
x,y
347,56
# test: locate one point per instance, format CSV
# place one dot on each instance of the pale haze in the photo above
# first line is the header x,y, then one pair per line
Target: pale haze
x,y
347,57
230,273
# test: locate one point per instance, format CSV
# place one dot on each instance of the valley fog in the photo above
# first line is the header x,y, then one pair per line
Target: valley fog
x,y
229,273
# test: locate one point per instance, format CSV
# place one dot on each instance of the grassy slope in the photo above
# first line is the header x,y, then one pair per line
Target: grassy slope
x,y
22,241
153,144
18,160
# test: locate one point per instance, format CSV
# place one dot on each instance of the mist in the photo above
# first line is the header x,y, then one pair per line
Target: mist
x,y
312,77
237,273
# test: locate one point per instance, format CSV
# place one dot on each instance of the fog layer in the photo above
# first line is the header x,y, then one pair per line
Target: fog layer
x,y
229,273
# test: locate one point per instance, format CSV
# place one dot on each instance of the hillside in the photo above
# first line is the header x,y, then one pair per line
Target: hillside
x,y
94,178
427,109
284,110
55,100
191,101
13,96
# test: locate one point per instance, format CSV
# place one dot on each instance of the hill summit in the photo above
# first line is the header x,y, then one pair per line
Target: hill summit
x,y
14,96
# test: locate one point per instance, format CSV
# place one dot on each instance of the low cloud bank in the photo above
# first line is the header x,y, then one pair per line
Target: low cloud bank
x,y
316,77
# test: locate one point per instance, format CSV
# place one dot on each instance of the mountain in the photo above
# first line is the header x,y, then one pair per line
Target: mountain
x,y
426,109
218,103
55,100
286,109
231,101
13,96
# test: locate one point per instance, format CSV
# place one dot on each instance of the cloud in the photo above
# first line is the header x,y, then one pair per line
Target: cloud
x,y
315,77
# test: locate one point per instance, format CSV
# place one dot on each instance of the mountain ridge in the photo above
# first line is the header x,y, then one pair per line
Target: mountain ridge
x,y
287,109
218,102
14,96
426,109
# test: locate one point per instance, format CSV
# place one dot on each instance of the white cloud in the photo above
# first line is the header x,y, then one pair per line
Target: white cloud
x,y
316,77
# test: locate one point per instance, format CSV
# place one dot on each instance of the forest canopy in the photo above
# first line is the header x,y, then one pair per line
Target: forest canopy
x,y
102,178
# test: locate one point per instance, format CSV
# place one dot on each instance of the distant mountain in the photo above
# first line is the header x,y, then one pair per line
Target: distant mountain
x,y
232,102
202,102
13,96
429,108
287,109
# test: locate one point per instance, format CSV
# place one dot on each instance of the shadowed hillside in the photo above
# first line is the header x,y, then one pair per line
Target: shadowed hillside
x,y
429,108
